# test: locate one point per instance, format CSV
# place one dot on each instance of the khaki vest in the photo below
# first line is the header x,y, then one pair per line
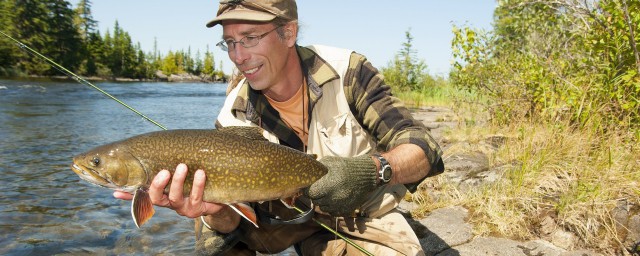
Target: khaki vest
x,y
333,129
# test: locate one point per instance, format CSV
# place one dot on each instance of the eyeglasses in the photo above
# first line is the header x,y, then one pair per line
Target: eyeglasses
x,y
246,42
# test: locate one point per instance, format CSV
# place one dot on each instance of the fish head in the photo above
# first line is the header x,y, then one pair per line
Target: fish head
x,y
111,166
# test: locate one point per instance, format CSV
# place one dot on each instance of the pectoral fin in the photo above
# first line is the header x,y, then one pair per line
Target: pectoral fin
x,y
141,207
289,202
246,212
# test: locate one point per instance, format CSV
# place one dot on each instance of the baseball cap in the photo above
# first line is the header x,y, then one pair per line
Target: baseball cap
x,y
255,10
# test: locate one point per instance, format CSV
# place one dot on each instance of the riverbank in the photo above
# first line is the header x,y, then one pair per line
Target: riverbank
x,y
159,77
449,220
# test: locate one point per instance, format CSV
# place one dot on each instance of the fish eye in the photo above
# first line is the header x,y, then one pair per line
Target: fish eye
x,y
95,161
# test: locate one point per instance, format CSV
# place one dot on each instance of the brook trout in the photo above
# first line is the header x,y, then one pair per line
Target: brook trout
x,y
240,164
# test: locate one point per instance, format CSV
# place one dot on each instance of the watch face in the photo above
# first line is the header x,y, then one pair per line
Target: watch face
x,y
386,173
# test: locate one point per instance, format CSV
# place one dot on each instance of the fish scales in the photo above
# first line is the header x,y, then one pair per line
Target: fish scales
x,y
241,166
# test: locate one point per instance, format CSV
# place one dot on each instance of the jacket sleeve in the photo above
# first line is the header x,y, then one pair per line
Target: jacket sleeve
x,y
385,117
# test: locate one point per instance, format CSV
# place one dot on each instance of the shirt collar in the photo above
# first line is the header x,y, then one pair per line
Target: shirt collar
x,y
255,107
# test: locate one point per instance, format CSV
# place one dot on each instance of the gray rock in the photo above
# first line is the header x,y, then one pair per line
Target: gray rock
x,y
501,246
444,228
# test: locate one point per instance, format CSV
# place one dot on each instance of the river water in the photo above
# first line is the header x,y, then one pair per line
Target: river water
x,y
45,208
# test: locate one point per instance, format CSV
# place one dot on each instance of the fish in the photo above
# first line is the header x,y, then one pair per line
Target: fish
x,y
241,166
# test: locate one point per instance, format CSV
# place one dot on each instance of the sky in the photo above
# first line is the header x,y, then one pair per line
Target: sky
x,y
375,29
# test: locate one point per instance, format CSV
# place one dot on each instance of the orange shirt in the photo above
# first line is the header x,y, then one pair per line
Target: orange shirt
x,y
294,112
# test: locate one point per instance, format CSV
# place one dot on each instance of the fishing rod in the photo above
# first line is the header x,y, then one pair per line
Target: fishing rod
x,y
78,78
85,82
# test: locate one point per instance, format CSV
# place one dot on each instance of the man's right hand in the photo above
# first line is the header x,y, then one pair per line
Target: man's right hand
x,y
191,206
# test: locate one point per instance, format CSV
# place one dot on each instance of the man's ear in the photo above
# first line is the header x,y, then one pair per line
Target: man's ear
x,y
291,33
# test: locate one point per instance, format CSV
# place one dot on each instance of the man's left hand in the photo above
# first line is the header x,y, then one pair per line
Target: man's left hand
x,y
346,186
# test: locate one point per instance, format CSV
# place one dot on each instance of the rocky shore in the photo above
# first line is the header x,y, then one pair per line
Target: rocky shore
x,y
446,232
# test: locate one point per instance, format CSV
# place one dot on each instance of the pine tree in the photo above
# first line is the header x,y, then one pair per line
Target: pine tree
x,y
83,20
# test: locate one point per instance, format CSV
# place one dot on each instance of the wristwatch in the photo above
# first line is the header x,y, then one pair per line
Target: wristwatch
x,y
385,172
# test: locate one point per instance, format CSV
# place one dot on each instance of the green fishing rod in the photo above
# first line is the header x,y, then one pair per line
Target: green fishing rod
x,y
85,82
78,78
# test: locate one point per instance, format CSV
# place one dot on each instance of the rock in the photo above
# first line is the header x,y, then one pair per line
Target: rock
x,y
564,239
501,246
633,236
548,226
444,228
471,170
161,76
446,232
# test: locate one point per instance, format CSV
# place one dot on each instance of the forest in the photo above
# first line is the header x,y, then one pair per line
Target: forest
x,y
70,37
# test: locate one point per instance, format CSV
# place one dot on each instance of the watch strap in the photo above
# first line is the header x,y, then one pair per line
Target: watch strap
x,y
384,164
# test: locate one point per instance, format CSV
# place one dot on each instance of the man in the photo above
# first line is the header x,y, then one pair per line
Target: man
x,y
325,101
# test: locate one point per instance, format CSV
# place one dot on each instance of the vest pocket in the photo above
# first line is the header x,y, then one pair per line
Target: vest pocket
x,y
343,136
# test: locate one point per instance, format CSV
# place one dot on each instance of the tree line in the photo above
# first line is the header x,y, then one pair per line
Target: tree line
x,y
70,37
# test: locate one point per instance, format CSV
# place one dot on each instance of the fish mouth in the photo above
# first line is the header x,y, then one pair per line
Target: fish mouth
x,y
92,176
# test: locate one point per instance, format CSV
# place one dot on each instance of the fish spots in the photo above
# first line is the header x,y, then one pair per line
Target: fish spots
x,y
236,167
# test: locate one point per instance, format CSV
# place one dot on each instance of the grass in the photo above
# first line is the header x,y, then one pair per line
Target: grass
x,y
574,178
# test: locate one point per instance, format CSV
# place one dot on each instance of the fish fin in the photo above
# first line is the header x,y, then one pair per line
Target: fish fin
x,y
248,132
246,212
141,207
288,202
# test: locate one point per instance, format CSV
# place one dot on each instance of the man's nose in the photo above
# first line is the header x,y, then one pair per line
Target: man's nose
x,y
239,54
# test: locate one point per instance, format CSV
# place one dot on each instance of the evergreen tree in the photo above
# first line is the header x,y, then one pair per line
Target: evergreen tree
x,y
83,19
64,43
197,70
95,56
209,63
30,26
406,72
8,51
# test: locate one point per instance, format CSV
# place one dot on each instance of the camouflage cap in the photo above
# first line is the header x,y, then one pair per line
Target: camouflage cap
x,y
255,10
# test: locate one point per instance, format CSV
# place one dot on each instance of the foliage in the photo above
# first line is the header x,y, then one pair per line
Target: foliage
x,y
556,60
407,75
69,37
561,79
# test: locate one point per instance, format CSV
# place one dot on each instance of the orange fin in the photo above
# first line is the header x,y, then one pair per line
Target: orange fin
x,y
141,207
288,202
246,212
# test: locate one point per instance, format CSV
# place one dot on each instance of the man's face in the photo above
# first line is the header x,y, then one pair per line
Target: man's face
x,y
263,64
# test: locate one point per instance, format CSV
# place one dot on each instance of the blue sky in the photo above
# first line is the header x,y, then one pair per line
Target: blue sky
x,y
373,28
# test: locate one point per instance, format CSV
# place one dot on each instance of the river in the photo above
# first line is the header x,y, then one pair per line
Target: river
x,y
45,208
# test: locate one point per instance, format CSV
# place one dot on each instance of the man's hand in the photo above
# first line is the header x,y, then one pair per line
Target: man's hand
x,y
346,186
191,206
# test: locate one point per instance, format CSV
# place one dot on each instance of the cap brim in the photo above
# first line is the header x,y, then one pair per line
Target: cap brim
x,y
249,15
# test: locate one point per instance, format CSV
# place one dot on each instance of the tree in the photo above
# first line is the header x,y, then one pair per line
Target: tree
x,y
557,60
209,63
198,64
406,72
65,44
83,19
8,51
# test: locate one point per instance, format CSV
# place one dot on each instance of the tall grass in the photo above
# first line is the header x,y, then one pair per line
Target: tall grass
x,y
574,176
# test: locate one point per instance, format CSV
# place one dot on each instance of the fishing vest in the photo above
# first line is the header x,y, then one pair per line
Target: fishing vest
x,y
333,129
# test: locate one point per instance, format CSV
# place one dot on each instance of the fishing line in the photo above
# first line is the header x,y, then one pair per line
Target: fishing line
x,y
85,82
78,78
346,239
